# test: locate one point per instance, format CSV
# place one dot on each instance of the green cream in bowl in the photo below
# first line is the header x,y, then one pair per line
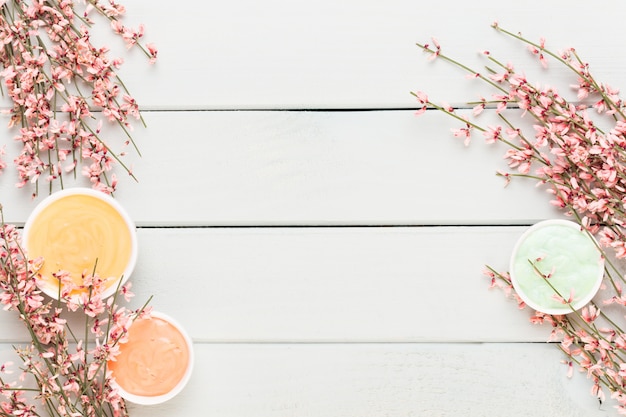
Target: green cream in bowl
x,y
569,256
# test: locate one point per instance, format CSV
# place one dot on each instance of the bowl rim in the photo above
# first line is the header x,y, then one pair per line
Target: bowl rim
x,y
566,309
158,399
106,198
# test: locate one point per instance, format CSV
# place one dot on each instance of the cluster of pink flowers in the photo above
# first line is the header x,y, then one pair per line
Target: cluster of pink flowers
x,y
60,374
589,338
581,162
63,88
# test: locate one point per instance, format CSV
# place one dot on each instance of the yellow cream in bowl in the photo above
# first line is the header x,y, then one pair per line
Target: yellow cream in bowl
x,y
77,230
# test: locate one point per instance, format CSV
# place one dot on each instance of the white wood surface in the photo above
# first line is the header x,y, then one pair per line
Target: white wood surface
x,y
311,168
346,54
372,380
383,284
330,262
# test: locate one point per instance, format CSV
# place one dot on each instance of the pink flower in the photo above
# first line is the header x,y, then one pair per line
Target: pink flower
x,y
464,132
125,291
563,300
596,390
152,50
436,52
590,313
492,134
500,77
422,98
2,163
478,109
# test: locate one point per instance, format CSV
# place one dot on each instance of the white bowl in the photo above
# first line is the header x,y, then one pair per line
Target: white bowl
x,y
154,340
68,244
568,254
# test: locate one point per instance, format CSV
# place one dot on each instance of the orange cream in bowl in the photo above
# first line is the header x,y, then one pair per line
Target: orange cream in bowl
x,y
156,361
80,230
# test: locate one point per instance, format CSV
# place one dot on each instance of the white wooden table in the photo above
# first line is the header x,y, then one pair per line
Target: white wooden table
x,y
322,245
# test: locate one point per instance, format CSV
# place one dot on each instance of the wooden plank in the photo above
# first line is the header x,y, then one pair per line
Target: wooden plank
x,y
349,54
379,379
399,284
309,168
355,54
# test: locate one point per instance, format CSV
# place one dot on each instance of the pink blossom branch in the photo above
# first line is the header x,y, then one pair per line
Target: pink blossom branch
x,y
584,169
68,381
46,56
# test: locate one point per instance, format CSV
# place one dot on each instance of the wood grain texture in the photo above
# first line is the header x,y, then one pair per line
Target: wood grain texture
x,y
309,168
328,263
329,284
381,380
373,380
348,54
